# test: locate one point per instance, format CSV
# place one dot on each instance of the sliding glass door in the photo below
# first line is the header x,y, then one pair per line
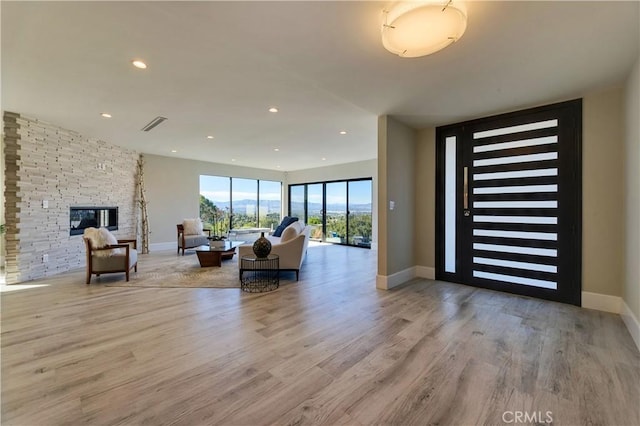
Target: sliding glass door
x,y
315,210
360,213
297,201
338,212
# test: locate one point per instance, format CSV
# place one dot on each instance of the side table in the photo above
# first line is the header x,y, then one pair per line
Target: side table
x,y
259,274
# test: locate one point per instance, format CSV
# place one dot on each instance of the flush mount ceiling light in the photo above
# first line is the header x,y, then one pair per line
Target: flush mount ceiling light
x,y
139,64
106,115
412,29
273,109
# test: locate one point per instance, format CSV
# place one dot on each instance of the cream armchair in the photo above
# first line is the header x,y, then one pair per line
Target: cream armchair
x,y
187,241
103,260
292,252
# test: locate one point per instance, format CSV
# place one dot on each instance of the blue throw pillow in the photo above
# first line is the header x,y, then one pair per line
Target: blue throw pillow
x,y
285,222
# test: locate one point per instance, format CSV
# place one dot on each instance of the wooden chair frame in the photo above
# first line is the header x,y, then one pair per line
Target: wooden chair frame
x,y
124,243
182,240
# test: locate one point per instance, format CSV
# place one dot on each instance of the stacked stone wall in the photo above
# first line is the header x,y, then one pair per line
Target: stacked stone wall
x,y
45,163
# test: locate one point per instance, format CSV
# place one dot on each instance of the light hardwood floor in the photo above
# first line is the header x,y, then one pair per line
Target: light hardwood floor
x,y
330,349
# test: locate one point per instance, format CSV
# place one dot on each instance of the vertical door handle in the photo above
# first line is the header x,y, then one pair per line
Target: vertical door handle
x,y
465,192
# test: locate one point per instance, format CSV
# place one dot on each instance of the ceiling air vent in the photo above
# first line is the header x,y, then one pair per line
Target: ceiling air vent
x,y
153,123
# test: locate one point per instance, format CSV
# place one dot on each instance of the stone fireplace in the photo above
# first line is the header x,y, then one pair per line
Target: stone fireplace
x,y
97,217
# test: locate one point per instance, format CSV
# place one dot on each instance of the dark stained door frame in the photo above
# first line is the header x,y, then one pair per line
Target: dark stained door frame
x,y
494,246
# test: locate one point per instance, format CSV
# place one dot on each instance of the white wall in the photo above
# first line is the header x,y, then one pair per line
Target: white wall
x,y
2,218
173,192
360,169
425,196
631,286
603,192
396,171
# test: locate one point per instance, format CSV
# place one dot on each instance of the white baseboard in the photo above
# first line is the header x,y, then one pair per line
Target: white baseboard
x,y
601,302
163,246
616,305
426,272
386,282
631,322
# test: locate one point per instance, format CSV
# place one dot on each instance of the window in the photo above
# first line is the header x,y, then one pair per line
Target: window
x,y
231,203
244,203
215,203
270,199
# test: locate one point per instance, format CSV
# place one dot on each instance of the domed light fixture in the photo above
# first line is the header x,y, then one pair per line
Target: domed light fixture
x,y
139,64
413,29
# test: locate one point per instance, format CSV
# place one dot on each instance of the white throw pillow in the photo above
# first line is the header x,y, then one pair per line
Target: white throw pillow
x,y
100,238
192,226
289,233
299,226
111,240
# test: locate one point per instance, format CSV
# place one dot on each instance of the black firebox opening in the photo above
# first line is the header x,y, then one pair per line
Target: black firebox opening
x,y
86,217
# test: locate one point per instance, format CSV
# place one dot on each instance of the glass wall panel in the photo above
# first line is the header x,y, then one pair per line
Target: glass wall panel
x,y
215,201
270,196
360,214
314,210
336,212
244,203
296,201
450,205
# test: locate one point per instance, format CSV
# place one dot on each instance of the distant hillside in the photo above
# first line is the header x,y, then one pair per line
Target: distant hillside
x,y
270,205
354,208
274,206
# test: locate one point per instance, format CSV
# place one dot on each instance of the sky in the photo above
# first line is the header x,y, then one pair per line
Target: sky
x,y
216,188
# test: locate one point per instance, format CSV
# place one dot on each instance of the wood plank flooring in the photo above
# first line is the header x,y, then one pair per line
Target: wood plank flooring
x,y
330,350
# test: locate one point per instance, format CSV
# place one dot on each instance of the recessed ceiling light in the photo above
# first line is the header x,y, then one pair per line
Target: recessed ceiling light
x,y
277,167
323,158
209,137
233,159
139,64
276,149
106,115
343,132
173,150
273,109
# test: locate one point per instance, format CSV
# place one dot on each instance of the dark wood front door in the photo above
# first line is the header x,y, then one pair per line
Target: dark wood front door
x,y
509,202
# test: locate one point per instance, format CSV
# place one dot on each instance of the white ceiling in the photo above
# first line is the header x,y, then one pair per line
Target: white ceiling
x,y
216,67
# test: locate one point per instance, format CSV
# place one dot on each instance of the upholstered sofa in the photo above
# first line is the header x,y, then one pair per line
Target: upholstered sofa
x,y
291,247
